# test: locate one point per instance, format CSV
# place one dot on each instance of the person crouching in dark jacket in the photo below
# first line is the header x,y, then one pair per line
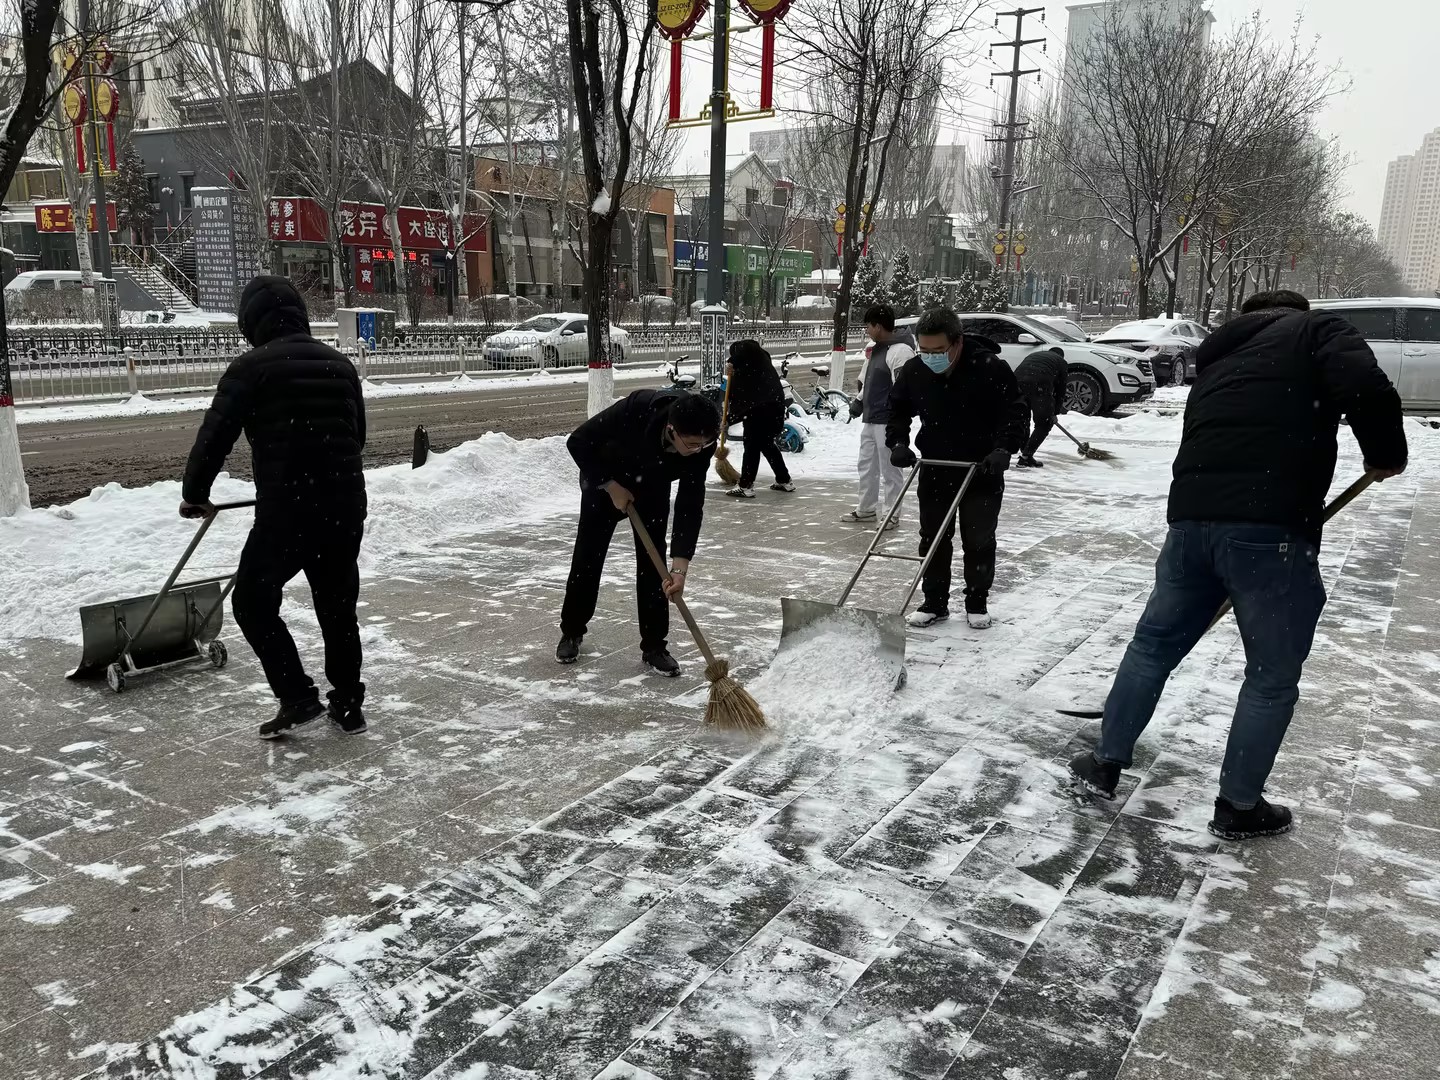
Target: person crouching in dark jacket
x,y
1042,376
1256,460
970,409
758,400
630,454
299,404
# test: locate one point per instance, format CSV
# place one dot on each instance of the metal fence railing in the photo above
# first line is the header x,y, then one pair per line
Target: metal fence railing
x,y
66,367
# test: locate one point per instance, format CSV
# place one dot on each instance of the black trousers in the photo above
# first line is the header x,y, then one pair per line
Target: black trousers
x,y
760,441
1042,416
325,552
598,518
978,517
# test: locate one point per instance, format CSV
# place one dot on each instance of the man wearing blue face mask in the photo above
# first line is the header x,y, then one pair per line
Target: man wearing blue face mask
x,y
970,409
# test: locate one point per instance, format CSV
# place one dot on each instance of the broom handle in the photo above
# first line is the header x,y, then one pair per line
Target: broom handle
x,y
725,413
1072,438
1344,499
679,601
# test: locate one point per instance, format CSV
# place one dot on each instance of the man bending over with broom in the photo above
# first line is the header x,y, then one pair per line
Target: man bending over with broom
x,y
628,455
1255,461
970,409
758,400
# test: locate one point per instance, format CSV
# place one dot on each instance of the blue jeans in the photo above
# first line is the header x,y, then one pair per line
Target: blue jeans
x,y
1272,578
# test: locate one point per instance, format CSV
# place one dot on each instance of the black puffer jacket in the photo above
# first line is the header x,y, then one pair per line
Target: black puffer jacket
x,y
626,443
965,413
1044,372
756,397
299,404
1260,423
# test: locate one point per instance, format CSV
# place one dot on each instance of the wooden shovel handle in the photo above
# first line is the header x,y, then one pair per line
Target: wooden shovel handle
x,y
1344,499
679,601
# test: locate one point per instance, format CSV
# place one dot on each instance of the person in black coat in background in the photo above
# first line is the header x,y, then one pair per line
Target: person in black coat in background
x,y
1042,376
299,404
630,454
758,400
1246,508
970,409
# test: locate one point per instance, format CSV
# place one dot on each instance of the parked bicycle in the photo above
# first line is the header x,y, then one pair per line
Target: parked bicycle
x,y
823,402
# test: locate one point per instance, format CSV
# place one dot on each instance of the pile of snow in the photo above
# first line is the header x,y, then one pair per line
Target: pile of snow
x,y
828,682
121,542
136,405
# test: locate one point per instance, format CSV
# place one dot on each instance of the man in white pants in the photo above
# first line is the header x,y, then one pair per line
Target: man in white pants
x,y
887,356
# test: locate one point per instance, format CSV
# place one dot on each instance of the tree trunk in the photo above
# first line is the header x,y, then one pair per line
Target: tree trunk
x,y
402,269
598,289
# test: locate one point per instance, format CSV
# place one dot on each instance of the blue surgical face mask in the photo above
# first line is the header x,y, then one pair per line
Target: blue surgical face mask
x,y
936,361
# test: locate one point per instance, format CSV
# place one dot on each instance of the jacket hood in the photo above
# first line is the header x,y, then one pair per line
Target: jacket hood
x,y
979,343
748,353
1237,332
270,307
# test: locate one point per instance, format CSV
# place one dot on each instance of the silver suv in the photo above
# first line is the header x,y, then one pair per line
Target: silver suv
x,y
1404,332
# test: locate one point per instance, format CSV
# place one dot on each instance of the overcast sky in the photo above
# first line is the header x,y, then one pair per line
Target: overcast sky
x,y
1389,50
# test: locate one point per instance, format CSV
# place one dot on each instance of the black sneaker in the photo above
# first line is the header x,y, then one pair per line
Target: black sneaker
x,y
347,716
662,663
568,651
1024,462
1262,819
1095,776
921,617
291,716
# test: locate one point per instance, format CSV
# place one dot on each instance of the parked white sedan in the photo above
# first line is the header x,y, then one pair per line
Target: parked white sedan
x,y
549,341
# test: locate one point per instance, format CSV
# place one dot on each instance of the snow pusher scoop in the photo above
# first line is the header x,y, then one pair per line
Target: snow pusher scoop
x,y
178,625
799,615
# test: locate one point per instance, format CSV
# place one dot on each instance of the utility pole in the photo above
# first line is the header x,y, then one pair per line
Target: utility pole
x,y
713,316
102,216
1012,126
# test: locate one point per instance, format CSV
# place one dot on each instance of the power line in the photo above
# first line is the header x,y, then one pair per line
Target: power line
x,y
1014,128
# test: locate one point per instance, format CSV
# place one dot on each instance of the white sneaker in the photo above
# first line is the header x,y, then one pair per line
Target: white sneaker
x,y
921,617
858,516
892,524
978,620
787,486
738,492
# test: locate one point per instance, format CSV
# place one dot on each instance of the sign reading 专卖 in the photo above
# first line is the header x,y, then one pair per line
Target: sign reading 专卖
x,y
215,256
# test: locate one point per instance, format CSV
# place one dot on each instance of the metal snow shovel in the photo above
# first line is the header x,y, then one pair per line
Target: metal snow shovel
x,y
1344,499
798,615
178,625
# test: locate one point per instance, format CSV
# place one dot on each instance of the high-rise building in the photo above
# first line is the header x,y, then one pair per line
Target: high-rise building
x,y
1086,19
1410,215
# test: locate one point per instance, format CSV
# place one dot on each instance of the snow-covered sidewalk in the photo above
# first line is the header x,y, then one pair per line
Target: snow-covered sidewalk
x,y
524,871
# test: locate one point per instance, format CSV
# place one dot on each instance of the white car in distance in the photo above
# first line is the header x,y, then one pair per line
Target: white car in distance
x,y
548,341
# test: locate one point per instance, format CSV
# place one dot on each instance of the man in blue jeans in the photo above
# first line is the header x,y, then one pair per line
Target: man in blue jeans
x,y
1246,507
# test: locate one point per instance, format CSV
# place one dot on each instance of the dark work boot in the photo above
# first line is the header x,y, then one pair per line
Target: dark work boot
x,y
1262,819
1026,461
568,651
291,716
346,715
1095,776
661,662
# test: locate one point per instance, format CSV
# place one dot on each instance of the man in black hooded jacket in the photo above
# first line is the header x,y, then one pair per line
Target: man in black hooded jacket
x,y
970,409
758,401
1042,376
299,404
1246,506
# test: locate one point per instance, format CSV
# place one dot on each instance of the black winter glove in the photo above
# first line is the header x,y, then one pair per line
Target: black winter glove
x,y
995,462
857,406
902,457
